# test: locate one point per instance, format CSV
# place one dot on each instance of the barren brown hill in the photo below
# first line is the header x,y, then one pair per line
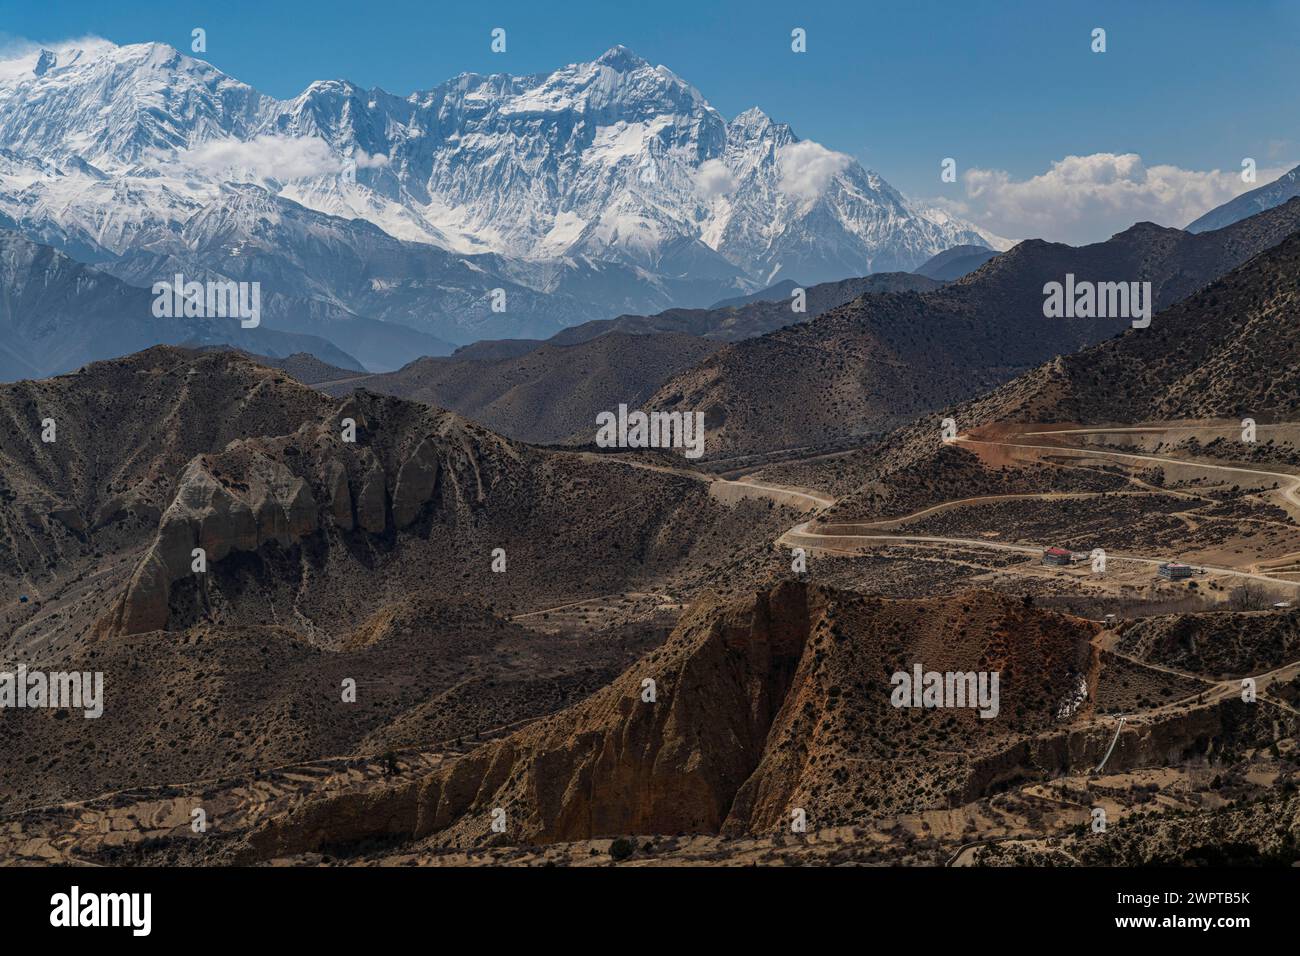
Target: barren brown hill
x,y
756,708
122,431
1231,350
731,323
550,393
881,360
170,451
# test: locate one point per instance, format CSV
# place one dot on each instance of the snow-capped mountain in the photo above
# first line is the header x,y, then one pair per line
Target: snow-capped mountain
x,y
612,185
615,160
1268,196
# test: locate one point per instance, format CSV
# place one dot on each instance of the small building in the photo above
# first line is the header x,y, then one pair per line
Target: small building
x,y
1109,620
1057,556
1173,571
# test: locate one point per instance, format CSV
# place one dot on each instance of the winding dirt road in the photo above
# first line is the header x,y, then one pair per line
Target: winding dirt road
x,y
849,538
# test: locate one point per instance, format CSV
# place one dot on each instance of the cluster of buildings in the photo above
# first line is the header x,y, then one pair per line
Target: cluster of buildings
x,y
1170,570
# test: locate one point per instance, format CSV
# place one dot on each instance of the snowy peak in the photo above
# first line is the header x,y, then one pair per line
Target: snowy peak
x,y
610,161
114,106
620,58
751,124
617,85
37,61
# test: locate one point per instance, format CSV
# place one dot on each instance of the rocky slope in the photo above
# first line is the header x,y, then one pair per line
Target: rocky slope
x,y
168,451
551,391
1218,644
776,702
881,360
1227,352
548,394
221,702
57,314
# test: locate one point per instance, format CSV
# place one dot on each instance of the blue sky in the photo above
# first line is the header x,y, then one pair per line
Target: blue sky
x,y
1002,87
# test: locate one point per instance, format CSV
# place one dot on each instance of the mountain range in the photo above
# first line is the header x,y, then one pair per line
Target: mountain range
x,y
878,361
551,391
602,188
58,314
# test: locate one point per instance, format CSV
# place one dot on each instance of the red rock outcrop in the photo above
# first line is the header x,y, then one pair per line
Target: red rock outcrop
x,y
759,706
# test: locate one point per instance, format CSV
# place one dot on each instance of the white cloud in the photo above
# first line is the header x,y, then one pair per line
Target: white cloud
x,y
713,178
1083,199
365,161
268,157
807,168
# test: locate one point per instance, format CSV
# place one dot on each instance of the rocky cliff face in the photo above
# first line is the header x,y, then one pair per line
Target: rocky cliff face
x,y
619,762
753,713
217,517
261,493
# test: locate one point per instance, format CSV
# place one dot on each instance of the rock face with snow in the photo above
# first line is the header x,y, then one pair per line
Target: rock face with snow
x,y
603,187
